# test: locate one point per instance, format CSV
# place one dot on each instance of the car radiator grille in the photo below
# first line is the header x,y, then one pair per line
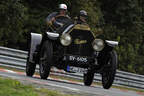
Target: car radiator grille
x,y
81,43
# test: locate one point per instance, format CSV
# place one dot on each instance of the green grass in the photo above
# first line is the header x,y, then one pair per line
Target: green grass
x,y
9,87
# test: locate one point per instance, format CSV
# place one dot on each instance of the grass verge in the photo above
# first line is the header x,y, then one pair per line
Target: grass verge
x,y
10,87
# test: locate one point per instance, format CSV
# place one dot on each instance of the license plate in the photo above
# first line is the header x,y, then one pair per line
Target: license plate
x,y
77,69
79,59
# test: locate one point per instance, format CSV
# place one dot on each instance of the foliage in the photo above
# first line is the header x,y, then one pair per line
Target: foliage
x,y
123,22
120,20
12,17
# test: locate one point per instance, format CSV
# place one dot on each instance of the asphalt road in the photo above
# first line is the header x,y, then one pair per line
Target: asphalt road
x,y
66,86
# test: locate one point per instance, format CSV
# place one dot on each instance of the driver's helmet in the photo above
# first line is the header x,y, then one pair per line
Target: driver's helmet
x,y
63,7
83,13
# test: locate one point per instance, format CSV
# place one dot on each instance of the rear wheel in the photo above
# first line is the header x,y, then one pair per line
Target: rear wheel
x,y
88,78
45,61
109,72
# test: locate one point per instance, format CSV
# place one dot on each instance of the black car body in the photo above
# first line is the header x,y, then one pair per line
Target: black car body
x,y
73,47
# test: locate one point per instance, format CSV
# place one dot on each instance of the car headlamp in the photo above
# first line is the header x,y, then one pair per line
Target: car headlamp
x,y
98,44
65,39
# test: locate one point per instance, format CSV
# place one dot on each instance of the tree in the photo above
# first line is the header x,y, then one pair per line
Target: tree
x,y
122,18
12,17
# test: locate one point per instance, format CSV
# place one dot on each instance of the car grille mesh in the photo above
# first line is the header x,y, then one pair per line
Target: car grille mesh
x,y
83,45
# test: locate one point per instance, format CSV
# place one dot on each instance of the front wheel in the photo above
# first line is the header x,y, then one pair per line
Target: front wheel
x,y
30,68
88,78
109,72
45,61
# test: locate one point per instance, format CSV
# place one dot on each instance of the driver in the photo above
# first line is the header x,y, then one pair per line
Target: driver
x,y
51,19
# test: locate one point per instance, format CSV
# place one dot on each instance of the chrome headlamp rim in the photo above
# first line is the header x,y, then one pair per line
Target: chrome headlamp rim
x,y
65,39
98,44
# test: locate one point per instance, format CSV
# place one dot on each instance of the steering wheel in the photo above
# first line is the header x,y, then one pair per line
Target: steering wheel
x,y
62,19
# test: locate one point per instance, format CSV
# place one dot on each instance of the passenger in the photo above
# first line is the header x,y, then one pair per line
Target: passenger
x,y
82,17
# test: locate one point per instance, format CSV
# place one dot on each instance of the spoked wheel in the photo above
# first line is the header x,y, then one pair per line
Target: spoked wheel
x,y
88,78
45,61
30,67
109,72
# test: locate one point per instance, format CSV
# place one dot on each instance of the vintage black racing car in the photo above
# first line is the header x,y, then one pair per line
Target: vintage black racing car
x,y
73,49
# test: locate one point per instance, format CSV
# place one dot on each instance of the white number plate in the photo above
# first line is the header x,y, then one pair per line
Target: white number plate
x,y
77,69
79,59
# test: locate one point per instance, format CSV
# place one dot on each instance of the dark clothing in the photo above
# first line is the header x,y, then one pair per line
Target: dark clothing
x,y
50,16
81,22
59,21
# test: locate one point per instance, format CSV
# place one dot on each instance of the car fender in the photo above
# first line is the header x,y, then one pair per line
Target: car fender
x,y
111,43
52,36
35,41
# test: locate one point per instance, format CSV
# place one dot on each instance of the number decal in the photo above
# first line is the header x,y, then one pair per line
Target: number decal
x,y
71,58
79,59
77,69
82,59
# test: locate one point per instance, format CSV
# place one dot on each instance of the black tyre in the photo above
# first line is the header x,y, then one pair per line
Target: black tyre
x,y
88,78
30,67
109,72
46,55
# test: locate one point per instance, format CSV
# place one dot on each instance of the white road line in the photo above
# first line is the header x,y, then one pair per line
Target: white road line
x,y
74,89
55,85
9,71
